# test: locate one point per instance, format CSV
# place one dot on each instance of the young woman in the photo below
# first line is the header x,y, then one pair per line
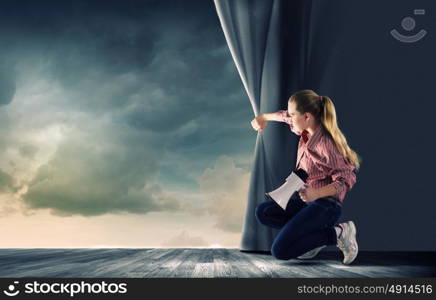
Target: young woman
x,y
308,223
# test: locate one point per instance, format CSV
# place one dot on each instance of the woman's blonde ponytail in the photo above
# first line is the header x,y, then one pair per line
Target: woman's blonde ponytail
x,y
328,120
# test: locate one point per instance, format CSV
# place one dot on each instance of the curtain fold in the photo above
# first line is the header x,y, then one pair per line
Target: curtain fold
x,y
252,31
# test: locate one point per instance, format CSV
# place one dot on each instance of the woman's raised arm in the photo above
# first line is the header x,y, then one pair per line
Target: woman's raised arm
x,y
260,122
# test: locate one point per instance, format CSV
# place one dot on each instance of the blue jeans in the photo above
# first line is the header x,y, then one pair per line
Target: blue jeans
x,y
303,226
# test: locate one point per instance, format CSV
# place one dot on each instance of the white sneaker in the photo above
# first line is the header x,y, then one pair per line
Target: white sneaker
x,y
347,242
311,254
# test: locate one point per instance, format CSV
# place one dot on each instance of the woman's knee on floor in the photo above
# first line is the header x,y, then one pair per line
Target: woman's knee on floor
x,y
283,252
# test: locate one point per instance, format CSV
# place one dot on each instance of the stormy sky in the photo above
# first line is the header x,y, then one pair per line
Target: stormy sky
x,y
122,123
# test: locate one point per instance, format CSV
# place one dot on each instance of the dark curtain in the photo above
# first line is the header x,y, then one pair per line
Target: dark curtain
x,y
271,47
252,31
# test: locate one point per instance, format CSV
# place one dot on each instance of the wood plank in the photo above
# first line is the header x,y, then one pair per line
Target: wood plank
x,y
36,263
306,269
222,266
241,265
117,266
269,268
151,266
187,265
165,264
152,259
204,268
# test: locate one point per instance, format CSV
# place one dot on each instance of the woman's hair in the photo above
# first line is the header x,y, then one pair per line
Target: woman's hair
x,y
323,109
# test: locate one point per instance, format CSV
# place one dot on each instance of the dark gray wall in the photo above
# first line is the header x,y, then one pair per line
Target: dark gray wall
x,y
385,100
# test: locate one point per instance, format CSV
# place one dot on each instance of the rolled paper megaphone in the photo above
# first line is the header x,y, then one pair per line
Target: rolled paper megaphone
x,y
293,183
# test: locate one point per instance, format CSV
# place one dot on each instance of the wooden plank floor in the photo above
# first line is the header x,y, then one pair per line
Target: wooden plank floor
x,y
207,263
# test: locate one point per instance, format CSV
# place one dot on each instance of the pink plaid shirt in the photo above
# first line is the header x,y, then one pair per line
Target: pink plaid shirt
x,y
320,158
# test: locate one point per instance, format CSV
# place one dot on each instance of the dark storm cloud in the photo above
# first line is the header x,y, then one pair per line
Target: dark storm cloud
x,y
28,150
7,84
6,182
159,71
173,52
80,180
